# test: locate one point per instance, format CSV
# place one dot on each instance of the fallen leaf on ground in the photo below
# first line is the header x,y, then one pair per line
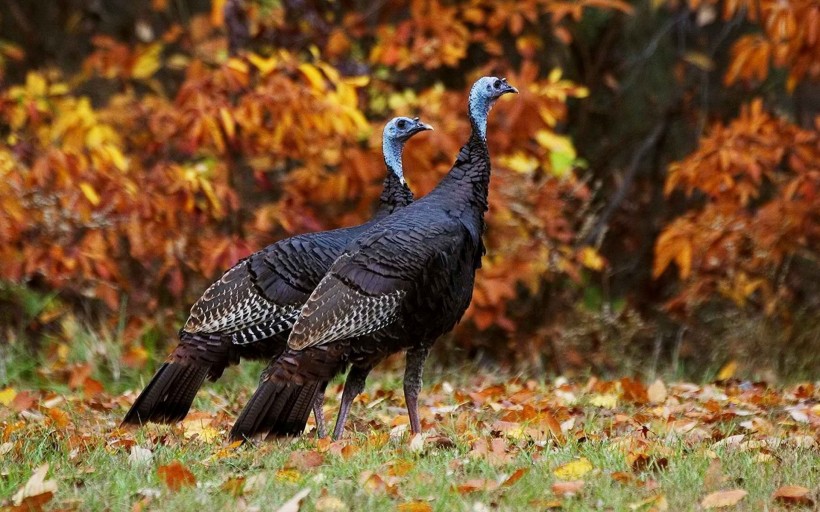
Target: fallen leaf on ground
x,y
305,460
722,499
545,504
140,456
608,401
201,429
7,396
416,443
36,492
573,470
657,502
288,475
520,472
293,504
570,488
477,484
656,392
330,504
375,483
793,495
176,476
235,486
414,506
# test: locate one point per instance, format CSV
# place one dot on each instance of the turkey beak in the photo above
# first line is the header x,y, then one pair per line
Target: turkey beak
x,y
420,127
507,87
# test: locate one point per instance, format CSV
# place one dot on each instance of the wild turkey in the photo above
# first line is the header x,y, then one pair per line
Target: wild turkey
x,y
398,286
248,313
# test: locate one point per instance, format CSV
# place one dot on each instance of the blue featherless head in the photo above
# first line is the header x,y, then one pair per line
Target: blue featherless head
x,y
396,133
483,96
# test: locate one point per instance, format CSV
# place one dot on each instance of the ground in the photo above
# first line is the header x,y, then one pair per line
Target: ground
x,y
491,442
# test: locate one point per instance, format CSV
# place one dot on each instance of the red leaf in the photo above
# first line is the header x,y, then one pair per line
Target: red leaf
x,y
176,476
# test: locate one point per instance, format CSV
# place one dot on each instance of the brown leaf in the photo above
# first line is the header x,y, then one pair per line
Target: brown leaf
x,y
36,492
570,488
721,499
304,460
375,483
176,476
793,495
714,477
92,387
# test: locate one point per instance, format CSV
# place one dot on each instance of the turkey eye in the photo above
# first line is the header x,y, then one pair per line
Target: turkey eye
x,y
402,124
497,84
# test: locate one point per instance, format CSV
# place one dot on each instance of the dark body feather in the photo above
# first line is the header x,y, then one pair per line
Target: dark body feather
x,y
248,314
399,286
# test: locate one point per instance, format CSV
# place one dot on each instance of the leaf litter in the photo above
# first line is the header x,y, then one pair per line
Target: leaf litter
x,y
513,428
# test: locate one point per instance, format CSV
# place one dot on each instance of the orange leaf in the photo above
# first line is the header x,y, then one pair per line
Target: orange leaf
x,y
520,472
176,476
414,506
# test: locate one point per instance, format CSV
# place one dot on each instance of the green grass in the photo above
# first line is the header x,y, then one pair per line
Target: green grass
x,y
89,457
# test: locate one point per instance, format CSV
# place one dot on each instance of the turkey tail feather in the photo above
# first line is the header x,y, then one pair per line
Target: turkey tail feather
x,y
168,396
277,409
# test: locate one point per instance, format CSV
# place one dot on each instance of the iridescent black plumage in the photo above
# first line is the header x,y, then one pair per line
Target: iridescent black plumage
x,y
249,311
398,286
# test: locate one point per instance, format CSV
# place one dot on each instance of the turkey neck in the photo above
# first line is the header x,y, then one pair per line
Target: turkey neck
x,y
466,186
395,193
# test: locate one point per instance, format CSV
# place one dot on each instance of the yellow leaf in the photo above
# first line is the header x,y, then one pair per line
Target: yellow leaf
x,y
608,401
58,89
699,60
520,162
573,470
728,370
7,396
288,475
201,428
227,122
554,142
265,66
591,259
313,75
148,62
90,193
238,65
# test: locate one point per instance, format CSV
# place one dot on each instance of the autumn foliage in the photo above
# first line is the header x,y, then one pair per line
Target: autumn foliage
x,y
133,175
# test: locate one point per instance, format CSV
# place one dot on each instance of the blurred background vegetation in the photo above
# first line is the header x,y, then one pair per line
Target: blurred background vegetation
x,y
655,202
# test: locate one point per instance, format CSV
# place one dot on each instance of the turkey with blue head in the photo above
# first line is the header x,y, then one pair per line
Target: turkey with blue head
x,y
249,311
399,286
